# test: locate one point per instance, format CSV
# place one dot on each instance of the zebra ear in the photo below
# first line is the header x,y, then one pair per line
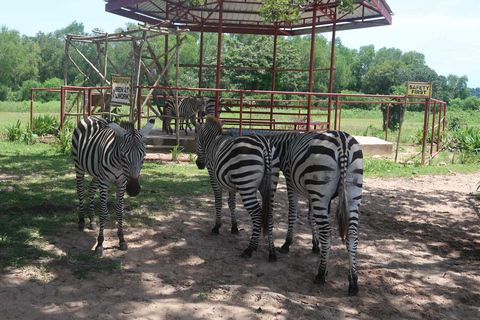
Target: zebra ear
x,y
146,129
119,131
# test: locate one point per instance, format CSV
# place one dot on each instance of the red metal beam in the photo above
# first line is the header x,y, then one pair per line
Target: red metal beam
x,y
219,56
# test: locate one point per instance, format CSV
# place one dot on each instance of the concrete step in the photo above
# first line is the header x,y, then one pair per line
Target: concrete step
x,y
374,146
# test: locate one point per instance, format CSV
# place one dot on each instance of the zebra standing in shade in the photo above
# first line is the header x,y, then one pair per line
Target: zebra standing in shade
x,y
242,165
110,153
321,166
188,108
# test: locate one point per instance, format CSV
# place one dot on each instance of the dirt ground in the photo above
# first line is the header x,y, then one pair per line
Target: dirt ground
x,y
418,258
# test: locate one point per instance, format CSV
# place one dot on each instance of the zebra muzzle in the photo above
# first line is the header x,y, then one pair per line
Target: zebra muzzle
x,y
200,164
133,187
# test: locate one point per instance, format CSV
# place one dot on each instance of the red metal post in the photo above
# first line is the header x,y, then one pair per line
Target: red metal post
x,y
83,104
139,106
219,55
274,71
166,48
90,95
241,114
340,117
386,122
62,107
200,67
312,55
336,110
433,127
31,109
439,125
444,115
425,128
332,61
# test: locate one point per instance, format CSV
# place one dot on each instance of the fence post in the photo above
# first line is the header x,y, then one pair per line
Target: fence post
x,y
386,122
241,115
62,106
433,127
425,127
31,109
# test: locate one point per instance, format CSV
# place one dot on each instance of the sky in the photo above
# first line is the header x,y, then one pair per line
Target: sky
x,y
447,32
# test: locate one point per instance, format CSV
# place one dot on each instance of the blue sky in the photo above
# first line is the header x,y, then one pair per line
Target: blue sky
x,y
445,31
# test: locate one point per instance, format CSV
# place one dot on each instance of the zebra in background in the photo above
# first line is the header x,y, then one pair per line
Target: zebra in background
x,y
110,153
188,109
210,110
242,165
321,166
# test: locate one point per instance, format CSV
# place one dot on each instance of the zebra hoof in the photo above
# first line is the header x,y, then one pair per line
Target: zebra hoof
x,y
99,251
123,246
93,226
234,230
81,226
353,286
315,250
320,278
215,231
272,257
247,253
284,249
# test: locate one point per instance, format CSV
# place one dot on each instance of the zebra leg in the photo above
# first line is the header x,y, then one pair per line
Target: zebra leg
x,y
354,195
313,225
91,194
319,212
250,203
231,205
292,218
119,213
103,217
80,175
217,192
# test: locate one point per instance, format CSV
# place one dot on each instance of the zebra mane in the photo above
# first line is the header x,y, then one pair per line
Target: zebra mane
x,y
128,125
212,121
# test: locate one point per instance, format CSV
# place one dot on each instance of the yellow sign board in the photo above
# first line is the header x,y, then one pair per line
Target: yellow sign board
x,y
121,89
419,89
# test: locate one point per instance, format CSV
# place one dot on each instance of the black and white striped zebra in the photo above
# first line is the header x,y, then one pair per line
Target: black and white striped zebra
x,y
321,166
242,165
188,109
110,153
210,109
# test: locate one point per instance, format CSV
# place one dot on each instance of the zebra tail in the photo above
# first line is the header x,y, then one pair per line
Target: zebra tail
x,y
267,187
343,208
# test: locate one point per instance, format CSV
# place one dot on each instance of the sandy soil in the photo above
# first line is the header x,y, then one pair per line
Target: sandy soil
x,y
418,258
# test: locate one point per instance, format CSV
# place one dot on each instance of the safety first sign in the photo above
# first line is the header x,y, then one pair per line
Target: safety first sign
x,y
419,89
121,89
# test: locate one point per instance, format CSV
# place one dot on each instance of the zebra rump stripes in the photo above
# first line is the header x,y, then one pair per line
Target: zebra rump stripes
x,y
242,165
110,153
321,166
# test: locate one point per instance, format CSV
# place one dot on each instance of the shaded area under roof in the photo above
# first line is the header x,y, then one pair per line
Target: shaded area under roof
x,y
241,16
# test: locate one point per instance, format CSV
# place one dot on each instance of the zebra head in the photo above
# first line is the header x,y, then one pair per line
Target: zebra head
x,y
132,151
206,133
201,105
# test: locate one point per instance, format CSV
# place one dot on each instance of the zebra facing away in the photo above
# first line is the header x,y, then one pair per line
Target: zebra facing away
x,y
188,109
110,153
321,166
242,165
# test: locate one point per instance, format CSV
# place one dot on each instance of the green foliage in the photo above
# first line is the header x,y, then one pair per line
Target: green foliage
x,y
25,93
45,124
4,92
176,151
465,139
29,137
64,141
14,131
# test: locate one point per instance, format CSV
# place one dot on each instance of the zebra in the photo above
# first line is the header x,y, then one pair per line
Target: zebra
x,y
321,166
210,109
242,165
110,153
188,109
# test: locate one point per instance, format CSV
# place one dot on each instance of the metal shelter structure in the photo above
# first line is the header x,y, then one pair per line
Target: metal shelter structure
x,y
235,16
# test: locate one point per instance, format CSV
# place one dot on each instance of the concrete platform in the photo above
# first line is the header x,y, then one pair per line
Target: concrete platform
x,y
160,142
374,146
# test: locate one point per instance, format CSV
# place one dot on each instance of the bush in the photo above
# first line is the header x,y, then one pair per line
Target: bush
x,y
24,92
29,137
64,145
51,83
4,92
14,131
46,124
